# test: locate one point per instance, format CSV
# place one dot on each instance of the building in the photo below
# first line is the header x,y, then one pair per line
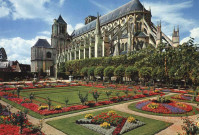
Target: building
x,y
42,55
125,29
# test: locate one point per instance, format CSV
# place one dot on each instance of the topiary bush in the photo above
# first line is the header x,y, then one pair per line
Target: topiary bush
x,y
91,71
131,72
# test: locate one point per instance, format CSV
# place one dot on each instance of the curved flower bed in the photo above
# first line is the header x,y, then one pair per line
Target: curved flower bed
x,y
171,107
184,97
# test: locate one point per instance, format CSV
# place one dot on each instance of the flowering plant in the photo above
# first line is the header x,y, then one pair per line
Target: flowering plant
x,y
105,125
43,107
89,116
131,119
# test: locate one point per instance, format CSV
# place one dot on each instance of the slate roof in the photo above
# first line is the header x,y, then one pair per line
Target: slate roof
x,y
61,20
133,5
42,43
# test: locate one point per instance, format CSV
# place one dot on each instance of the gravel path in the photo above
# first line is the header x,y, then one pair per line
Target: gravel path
x,y
173,129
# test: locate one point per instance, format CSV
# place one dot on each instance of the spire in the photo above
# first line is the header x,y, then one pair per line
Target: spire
x,y
60,19
97,30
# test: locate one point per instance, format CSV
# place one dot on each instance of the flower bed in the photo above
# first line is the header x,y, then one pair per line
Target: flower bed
x,y
171,107
110,123
10,124
36,108
185,97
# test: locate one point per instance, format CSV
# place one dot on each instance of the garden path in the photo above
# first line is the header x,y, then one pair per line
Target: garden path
x,y
176,127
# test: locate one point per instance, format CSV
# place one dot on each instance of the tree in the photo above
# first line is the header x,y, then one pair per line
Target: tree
x,y
31,97
194,75
109,72
91,71
84,72
145,73
99,71
119,72
131,72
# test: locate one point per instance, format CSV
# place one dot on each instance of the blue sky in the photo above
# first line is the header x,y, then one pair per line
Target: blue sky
x,y
22,22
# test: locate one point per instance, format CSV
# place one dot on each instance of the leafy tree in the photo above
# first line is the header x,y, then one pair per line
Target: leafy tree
x,y
99,71
119,72
131,72
145,73
91,71
84,71
109,72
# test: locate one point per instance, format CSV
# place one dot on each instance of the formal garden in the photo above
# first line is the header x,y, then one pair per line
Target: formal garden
x,y
107,93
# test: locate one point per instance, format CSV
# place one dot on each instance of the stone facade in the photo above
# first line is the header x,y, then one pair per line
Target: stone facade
x,y
126,29
42,57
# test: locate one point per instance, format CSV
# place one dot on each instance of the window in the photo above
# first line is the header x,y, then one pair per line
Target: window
x,y
48,55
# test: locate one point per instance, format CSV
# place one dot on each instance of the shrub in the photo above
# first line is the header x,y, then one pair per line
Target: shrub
x,y
108,93
66,101
145,73
49,102
83,99
109,72
96,95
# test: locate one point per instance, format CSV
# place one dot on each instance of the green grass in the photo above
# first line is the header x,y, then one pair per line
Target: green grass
x,y
193,112
69,126
57,95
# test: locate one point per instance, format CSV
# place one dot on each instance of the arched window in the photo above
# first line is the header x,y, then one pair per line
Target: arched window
x,y
48,55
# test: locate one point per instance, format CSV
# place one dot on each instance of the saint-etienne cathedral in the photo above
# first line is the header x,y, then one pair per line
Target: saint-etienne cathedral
x,y
125,29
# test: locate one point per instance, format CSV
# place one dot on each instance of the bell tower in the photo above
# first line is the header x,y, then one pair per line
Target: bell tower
x,y
176,37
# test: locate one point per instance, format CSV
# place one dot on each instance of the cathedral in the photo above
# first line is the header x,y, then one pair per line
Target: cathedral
x,y
123,30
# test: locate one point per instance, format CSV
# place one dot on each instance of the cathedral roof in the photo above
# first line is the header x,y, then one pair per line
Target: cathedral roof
x,y
133,5
61,20
42,43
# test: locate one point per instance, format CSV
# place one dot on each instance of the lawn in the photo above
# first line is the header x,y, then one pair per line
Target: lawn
x,y
58,95
69,126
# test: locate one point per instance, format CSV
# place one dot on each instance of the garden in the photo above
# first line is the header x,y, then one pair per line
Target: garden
x,y
54,100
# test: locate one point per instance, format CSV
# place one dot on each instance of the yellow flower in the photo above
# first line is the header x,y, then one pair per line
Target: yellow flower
x,y
42,107
105,125
89,116
111,112
131,119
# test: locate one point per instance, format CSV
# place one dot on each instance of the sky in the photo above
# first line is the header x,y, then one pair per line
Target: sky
x,y
23,22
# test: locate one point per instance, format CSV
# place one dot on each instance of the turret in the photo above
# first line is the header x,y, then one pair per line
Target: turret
x,y
97,30
176,37
159,34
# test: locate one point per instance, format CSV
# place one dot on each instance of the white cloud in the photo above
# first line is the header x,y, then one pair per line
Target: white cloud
x,y
4,10
79,25
47,33
31,9
61,2
20,49
171,15
194,33
106,9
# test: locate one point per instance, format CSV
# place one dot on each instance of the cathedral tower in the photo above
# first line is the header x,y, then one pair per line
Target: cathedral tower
x,y
176,37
